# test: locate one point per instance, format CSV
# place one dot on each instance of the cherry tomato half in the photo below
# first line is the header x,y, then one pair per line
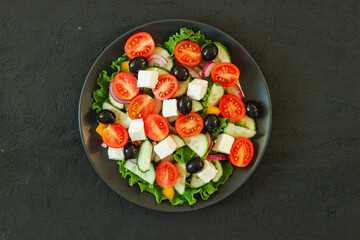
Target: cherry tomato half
x,y
141,106
115,136
166,174
166,87
139,44
125,85
225,73
189,125
188,53
232,107
156,127
242,152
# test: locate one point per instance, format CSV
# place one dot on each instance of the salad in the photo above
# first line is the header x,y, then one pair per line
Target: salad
x,y
173,115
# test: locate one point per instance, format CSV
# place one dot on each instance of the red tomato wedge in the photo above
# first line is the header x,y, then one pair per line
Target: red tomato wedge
x,y
156,127
188,53
115,136
225,73
166,174
125,85
242,152
141,106
139,44
232,107
189,125
166,87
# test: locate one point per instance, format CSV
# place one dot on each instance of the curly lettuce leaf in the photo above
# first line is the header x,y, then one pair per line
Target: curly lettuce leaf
x,y
184,154
101,95
220,128
116,64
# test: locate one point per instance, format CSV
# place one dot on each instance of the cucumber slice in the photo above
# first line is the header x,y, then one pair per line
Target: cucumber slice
x,y
182,88
160,70
237,131
248,122
216,92
196,182
223,54
198,143
149,176
169,158
218,167
114,103
121,117
143,160
180,183
164,53
196,106
178,140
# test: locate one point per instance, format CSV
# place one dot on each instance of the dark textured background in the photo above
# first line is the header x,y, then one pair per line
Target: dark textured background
x,y
306,187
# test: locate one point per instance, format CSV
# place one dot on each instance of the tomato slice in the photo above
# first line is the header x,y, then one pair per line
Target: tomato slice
x,y
125,85
188,53
166,174
225,73
242,152
115,136
156,127
232,107
189,125
139,44
166,87
141,106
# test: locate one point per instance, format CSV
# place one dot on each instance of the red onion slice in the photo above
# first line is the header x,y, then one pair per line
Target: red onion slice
x,y
171,128
193,72
157,60
207,69
217,157
237,91
133,160
116,97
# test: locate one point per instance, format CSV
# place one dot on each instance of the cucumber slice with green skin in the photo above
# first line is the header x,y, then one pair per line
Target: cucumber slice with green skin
x,y
237,131
164,53
115,104
143,160
223,54
198,143
180,183
182,88
196,106
178,140
149,176
218,167
196,182
121,117
248,122
160,70
216,92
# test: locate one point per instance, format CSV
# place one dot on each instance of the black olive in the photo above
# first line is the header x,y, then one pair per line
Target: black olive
x,y
106,117
184,105
180,72
209,52
137,64
194,165
251,109
211,121
130,151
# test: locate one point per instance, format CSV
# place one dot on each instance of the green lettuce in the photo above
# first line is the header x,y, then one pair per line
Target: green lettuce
x,y
184,154
116,64
101,95
223,122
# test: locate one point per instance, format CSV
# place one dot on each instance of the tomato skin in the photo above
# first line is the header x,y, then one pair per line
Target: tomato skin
x,y
188,53
242,152
115,136
166,174
225,73
125,85
232,107
156,127
166,87
139,44
141,106
189,125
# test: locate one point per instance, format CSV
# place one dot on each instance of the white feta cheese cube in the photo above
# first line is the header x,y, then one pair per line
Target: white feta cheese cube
x,y
147,79
136,130
197,89
116,154
208,172
223,143
169,108
165,147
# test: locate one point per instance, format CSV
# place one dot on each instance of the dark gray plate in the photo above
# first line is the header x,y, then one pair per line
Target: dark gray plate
x,y
252,82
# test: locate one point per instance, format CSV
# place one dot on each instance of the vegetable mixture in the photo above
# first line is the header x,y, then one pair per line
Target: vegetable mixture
x,y
173,116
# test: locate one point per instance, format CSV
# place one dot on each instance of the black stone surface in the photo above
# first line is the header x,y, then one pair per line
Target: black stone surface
x,y
306,187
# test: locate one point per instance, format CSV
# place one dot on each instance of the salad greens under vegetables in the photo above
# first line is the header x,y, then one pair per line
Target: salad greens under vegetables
x,y
173,116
